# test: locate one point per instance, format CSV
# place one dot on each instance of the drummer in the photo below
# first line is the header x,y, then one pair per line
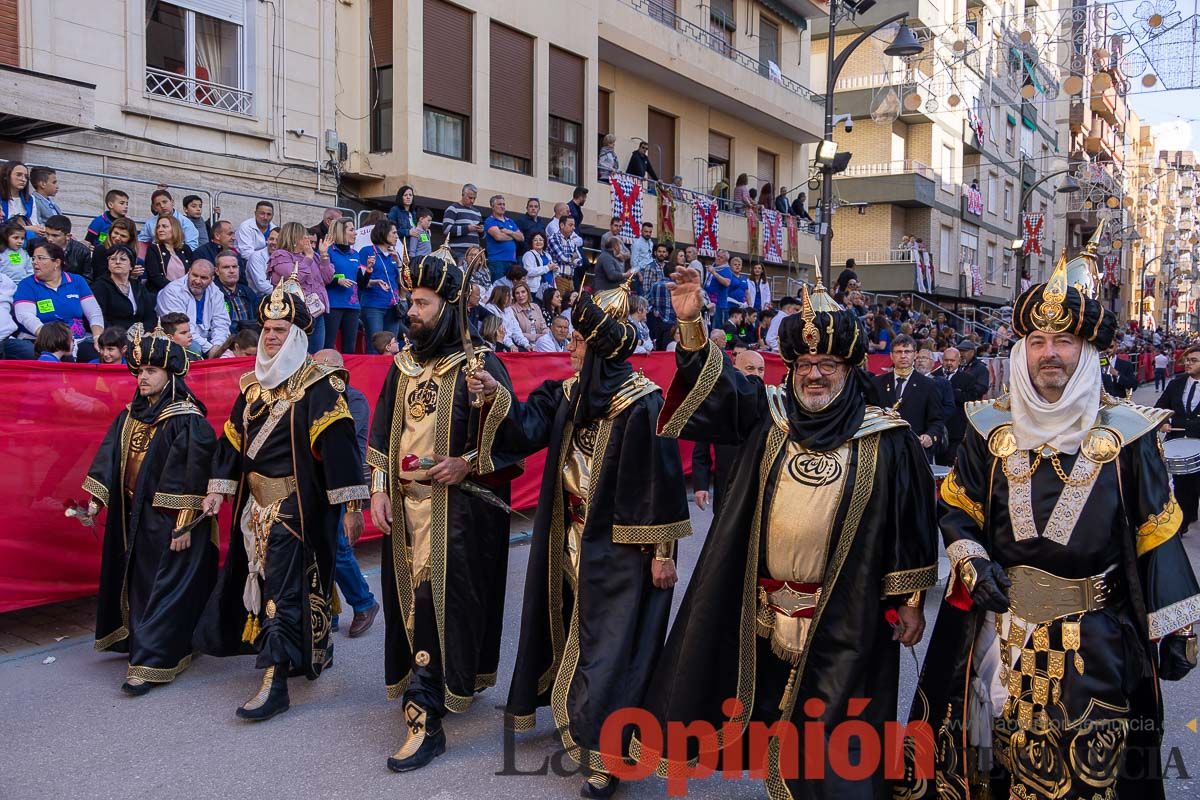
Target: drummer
x,y
1182,397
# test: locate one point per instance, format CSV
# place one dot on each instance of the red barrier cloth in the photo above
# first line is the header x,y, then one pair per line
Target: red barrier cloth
x,y
57,414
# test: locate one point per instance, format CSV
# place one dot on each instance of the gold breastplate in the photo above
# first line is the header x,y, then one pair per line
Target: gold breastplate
x,y
140,436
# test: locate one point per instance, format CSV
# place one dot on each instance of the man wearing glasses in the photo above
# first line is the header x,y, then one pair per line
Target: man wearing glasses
x,y
639,163
827,531
1182,397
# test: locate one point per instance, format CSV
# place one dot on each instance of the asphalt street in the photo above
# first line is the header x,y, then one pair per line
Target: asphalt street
x,y
68,731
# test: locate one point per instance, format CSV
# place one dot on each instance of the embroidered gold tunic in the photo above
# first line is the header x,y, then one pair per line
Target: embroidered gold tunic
x,y
577,480
417,438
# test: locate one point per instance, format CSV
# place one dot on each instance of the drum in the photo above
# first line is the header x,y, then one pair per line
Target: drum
x,y
1182,456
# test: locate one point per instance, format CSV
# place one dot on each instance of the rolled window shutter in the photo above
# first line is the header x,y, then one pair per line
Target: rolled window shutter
x,y
566,85
448,62
511,92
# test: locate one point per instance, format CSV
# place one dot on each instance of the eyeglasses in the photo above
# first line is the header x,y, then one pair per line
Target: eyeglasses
x,y
826,368
42,258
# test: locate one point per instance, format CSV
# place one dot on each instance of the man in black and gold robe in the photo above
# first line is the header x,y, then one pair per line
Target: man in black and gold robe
x,y
826,531
601,566
439,486
289,458
1070,593
151,472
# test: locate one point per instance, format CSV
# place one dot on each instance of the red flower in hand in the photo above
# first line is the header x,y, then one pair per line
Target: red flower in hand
x,y
410,463
892,616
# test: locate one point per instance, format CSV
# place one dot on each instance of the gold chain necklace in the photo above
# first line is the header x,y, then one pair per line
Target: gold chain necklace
x,y
1037,462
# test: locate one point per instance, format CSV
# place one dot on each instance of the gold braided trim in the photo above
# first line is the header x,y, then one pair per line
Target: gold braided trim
x,y
96,489
485,681
1160,527
159,674
651,534
520,723
714,363
177,501
347,493
953,494
377,460
496,414
114,637
231,433
396,690
339,411
222,486
907,581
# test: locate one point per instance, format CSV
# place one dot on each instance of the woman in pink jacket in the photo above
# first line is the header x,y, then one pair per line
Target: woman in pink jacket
x,y
295,252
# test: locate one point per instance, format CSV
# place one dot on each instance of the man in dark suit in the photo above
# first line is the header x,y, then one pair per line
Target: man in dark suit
x,y
1119,375
1182,396
711,464
913,395
969,379
923,363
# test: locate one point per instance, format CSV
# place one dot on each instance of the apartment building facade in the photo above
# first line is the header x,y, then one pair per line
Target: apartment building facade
x,y
516,99
227,99
971,131
1172,284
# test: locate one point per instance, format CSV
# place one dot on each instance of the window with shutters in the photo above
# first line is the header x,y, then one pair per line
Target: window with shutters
x,y
448,64
603,116
719,149
195,54
380,66
660,133
1008,267
945,246
721,27
511,99
663,11
1008,200
768,46
566,116
989,272
968,248
766,169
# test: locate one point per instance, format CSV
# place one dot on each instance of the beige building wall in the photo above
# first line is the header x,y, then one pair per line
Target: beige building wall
x,y
275,149
642,62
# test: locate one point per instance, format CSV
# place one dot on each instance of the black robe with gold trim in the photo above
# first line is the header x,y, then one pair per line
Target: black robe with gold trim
x,y
882,548
1129,520
151,597
312,440
591,635
468,536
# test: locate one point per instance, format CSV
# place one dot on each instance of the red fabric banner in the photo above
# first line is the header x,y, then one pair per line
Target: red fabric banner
x,y
58,413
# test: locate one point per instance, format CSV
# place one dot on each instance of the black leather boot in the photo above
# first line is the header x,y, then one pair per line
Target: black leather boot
x,y
271,698
426,740
136,686
599,784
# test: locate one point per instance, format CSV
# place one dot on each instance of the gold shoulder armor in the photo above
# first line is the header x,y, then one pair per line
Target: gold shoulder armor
x,y
987,415
635,387
878,420
405,362
247,380
775,404
1129,421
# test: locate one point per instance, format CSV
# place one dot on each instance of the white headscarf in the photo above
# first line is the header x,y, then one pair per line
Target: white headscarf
x,y
274,370
1062,424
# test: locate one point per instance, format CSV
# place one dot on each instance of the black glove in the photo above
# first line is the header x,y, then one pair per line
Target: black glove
x,y
991,586
1176,656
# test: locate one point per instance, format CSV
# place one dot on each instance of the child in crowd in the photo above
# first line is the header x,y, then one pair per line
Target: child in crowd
x,y
116,206
422,243
45,187
14,260
193,209
384,343
53,342
179,328
110,346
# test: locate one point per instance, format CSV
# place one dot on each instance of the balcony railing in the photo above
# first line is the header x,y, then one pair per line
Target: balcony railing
x,y
197,92
659,13
893,256
890,168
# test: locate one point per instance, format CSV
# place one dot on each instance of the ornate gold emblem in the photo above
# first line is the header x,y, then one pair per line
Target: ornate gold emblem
x,y
337,383
1101,445
1003,442
270,609
810,333
1051,315
423,400
421,659
253,393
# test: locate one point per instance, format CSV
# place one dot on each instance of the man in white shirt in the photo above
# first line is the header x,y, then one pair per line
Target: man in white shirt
x,y
554,340
256,265
642,251
1160,371
787,307
251,236
196,295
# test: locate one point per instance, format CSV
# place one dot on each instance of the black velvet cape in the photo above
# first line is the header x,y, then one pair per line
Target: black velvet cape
x,y
883,548
468,536
590,653
151,597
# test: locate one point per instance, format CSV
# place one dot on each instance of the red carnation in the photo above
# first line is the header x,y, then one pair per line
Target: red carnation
x,y
410,463
892,616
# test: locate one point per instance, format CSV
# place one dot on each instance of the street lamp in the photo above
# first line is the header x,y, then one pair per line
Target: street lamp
x,y
904,45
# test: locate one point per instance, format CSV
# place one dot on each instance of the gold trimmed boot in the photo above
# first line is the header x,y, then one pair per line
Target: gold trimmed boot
x,y
271,698
599,784
426,740
136,687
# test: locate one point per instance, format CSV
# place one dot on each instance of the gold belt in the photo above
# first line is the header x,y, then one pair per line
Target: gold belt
x,y
270,490
1038,596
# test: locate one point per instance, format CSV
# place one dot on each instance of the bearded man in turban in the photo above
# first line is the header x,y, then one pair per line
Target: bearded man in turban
x,y
1070,593
813,572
